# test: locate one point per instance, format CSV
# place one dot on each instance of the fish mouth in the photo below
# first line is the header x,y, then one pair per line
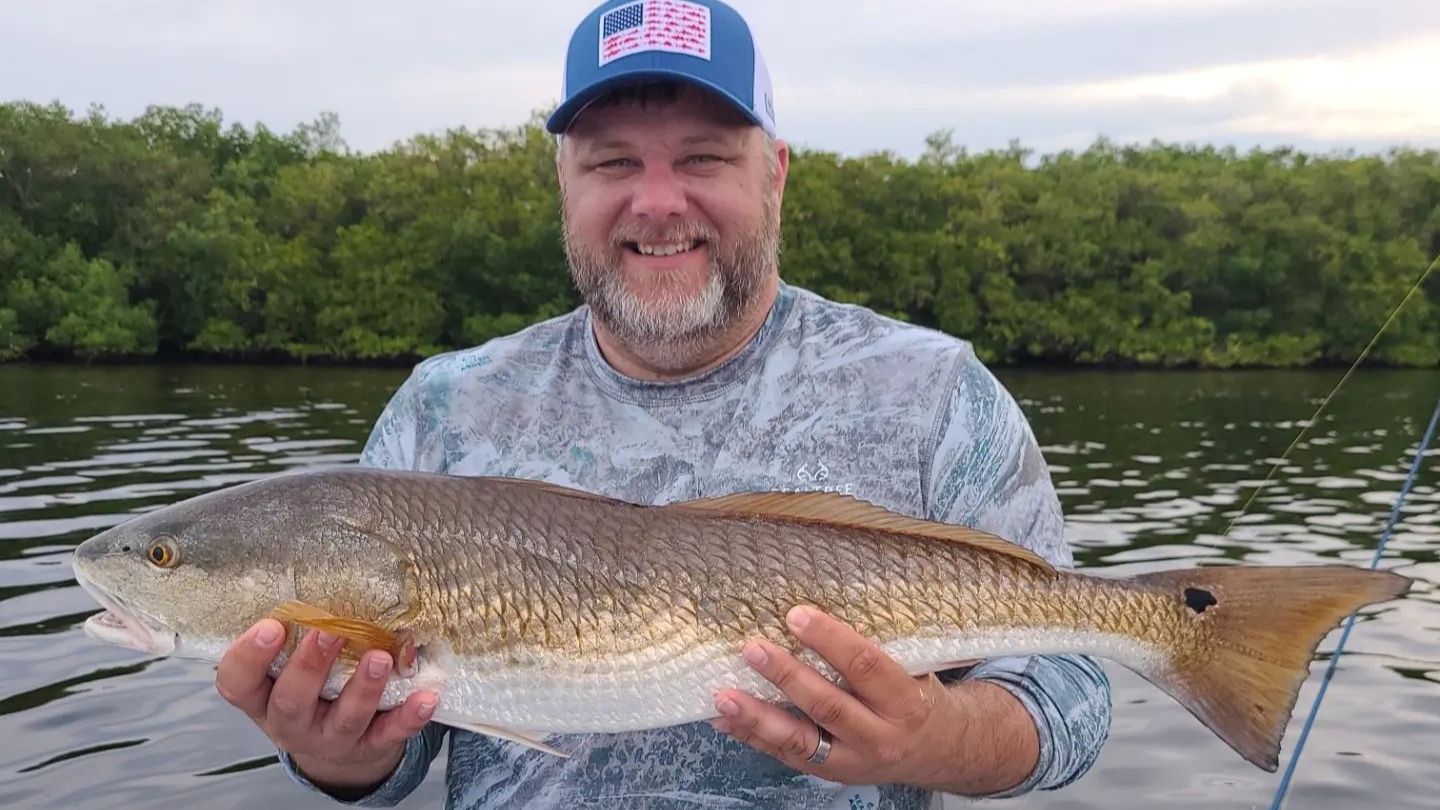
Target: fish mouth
x,y
123,624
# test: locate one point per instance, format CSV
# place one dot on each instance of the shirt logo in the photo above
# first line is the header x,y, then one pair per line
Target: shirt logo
x,y
815,477
804,475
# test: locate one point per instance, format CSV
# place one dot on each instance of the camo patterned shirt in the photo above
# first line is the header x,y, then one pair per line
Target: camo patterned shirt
x,y
828,396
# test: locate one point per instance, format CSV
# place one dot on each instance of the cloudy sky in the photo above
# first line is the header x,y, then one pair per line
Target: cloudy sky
x,y
850,75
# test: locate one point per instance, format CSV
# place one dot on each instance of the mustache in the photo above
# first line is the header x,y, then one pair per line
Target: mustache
x,y
689,230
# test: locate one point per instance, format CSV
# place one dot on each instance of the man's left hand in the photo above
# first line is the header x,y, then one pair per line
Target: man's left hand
x,y
891,727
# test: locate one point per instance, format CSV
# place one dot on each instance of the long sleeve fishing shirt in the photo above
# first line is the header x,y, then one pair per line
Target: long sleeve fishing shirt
x,y
827,396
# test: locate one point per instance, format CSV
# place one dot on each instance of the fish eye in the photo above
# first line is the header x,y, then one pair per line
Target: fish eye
x,y
163,553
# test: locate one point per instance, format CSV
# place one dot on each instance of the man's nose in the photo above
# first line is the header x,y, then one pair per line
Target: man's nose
x,y
660,194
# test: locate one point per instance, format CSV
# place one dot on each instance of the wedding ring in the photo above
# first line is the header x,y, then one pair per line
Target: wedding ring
x,y
822,748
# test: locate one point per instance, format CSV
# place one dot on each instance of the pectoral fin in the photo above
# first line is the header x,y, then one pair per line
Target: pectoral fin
x,y
502,733
359,635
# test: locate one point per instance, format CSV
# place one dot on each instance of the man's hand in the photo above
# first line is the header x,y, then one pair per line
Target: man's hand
x,y
891,728
344,747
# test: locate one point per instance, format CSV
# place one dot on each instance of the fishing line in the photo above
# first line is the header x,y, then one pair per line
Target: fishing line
x,y
1284,786
1350,622
1286,455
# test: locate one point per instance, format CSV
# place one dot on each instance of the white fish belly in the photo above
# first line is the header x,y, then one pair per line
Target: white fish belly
x,y
660,688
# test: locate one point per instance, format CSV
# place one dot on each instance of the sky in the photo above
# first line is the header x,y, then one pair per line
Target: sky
x,y
851,76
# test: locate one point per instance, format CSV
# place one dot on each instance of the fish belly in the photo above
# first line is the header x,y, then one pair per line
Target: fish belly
x,y
669,687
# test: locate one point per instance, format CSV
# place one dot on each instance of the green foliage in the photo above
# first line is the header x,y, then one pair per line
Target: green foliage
x,y
80,306
173,233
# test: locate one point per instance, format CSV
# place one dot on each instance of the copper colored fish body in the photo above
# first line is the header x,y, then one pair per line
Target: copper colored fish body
x,y
534,609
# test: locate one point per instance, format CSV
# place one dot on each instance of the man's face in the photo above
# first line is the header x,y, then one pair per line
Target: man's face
x,y
672,217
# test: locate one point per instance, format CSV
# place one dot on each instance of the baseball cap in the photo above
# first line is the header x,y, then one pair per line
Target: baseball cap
x,y
705,42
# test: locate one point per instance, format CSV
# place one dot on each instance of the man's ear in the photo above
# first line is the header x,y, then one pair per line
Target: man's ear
x,y
782,168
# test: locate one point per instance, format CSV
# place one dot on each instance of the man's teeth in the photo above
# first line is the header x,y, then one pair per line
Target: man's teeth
x,y
664,250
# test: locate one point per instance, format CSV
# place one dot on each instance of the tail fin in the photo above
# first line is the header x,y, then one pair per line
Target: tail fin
x,y
1265,624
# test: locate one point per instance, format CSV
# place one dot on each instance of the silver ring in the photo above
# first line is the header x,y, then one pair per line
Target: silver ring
x,y
822,748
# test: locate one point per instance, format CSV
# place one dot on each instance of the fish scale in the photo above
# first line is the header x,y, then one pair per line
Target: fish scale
x,y
776,563
533,609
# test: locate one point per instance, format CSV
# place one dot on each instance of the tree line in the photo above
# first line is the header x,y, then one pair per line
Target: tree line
x,y
175,234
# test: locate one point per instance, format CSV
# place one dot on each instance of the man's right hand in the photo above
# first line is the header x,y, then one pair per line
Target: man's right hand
x,y
344,746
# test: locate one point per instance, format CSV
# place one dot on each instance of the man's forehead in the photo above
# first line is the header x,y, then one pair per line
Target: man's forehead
x,y
681,105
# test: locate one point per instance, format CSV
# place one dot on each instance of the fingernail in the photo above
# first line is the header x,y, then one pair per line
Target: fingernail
x,y
267,634
727,707
325,640
721,725
379,665
799,617
755,655
427,708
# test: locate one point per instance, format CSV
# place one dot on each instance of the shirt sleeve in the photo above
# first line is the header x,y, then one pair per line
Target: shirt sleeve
x,y
989,473
420,751
391,445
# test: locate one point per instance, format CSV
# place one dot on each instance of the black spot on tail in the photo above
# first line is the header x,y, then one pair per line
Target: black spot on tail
x,y
1197,599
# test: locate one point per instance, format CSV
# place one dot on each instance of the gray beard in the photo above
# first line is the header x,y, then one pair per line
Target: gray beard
x,y
675,328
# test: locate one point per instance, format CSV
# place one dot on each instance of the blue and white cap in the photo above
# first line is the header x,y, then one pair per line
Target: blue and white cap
x,y
701,41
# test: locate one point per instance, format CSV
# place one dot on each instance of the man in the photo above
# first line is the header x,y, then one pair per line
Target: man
x,y
693,370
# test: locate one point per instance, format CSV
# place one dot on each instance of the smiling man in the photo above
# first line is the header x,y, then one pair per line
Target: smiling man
x,y
692,370
672,223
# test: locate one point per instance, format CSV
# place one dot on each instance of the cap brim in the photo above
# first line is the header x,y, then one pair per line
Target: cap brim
x,y
564,115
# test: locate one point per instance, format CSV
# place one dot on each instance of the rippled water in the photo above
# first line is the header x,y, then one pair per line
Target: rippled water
x,y
1147,465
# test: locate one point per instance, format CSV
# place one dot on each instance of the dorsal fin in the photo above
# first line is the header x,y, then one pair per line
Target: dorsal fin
x,y
846,510
552,488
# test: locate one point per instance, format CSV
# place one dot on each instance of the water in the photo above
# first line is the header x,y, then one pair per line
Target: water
x,y
1146,465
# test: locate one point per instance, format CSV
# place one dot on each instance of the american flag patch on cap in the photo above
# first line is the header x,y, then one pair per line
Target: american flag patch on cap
x,y
655,25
